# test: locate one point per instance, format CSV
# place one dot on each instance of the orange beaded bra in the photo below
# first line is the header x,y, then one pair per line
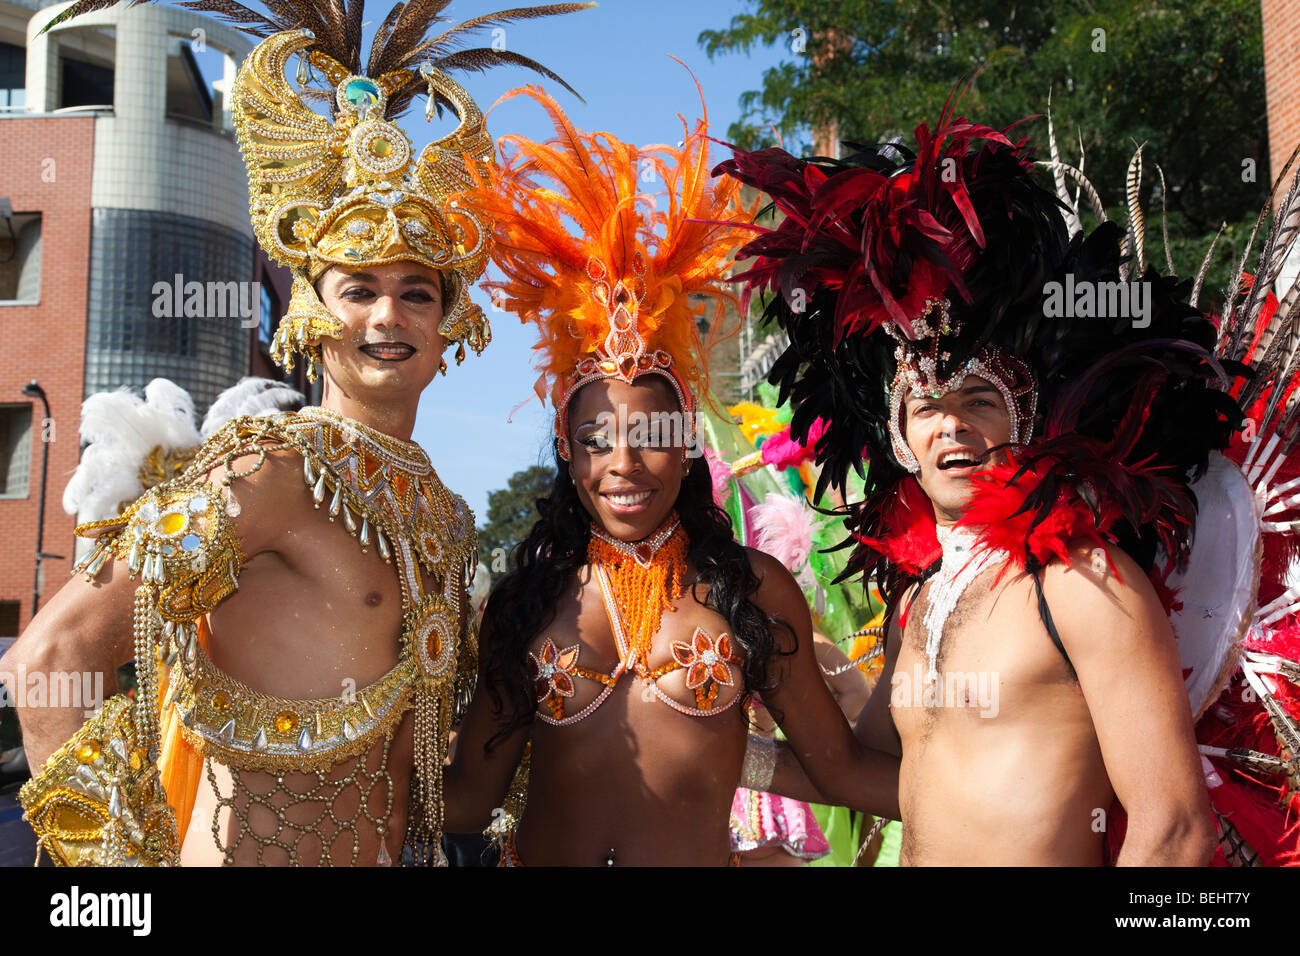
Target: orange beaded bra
x,y
638,582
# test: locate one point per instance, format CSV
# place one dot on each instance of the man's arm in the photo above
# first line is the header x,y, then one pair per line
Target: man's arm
x,y
84,627
1122,647
875,725
874,729
841,770
847,684
477,780
87,626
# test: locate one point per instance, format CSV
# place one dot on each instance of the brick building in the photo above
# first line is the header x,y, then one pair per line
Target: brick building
x,y
120,172
1281,79
1282,86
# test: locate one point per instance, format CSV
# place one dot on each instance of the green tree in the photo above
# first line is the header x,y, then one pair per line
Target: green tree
x,y
511,513
1183,77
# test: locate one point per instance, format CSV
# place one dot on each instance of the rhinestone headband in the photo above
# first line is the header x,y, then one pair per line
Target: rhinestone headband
x,y
623,355
918,375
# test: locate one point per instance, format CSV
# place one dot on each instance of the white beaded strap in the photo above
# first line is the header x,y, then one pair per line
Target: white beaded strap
x,y
614,675
691,711
574,718
615,619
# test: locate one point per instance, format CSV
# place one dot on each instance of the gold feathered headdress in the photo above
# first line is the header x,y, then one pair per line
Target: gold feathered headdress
x,y
613,300
348,189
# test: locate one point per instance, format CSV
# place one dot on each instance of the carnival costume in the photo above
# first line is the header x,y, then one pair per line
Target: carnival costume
x,y
347,190
613,300
898,273
763,479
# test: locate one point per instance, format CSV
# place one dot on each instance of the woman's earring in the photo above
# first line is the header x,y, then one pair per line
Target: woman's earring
x,y
442,366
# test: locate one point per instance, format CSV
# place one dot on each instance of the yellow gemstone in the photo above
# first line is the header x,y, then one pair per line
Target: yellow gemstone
x,y
137,758
286,722
434,645
221,701
380,146
171,523
88,751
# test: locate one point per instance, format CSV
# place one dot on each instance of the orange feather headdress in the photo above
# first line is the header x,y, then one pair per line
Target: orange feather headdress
x,y
613,299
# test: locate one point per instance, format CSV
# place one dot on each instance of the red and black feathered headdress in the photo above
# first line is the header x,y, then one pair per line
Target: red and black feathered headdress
x,y
896,270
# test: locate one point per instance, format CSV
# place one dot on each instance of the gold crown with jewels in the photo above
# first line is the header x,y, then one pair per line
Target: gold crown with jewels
x,y
351,192
347,189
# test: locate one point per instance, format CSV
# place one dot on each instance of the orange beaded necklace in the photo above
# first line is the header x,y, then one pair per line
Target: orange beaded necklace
x,y
646,577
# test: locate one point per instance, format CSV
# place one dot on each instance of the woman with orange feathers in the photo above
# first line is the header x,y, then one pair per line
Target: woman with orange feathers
x,y
626,642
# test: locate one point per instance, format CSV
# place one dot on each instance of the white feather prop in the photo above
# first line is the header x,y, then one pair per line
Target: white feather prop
x,y
118,431
479,588
251,396
783,528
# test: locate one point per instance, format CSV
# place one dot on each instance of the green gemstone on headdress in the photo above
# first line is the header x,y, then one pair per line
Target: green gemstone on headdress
x,y
361,93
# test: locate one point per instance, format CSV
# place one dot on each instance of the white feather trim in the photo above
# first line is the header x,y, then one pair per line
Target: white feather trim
x,y
479,587
118,430
251,396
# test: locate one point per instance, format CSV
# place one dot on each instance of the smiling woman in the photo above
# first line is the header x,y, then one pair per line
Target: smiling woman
x,y
634,616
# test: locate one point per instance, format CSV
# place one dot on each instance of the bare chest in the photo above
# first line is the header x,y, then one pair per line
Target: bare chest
x,y
316,600
995,664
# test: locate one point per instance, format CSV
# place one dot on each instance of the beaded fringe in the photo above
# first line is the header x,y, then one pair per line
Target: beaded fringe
x,y
425,816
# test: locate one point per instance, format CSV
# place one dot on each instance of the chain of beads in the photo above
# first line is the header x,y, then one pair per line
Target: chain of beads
x,y
145,632
325,794
642,592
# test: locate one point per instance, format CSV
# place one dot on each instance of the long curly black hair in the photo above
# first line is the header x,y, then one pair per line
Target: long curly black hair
x,y
523,603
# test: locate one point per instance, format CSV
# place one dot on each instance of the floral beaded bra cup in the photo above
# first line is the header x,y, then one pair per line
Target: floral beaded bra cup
x,y
638,582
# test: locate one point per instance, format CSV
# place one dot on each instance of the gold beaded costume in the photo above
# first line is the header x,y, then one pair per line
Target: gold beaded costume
x,y
344,190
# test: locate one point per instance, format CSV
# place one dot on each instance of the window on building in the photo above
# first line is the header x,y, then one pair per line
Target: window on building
x,y
86,67
270,316
9,611
15,449
189,98
13,77
20,257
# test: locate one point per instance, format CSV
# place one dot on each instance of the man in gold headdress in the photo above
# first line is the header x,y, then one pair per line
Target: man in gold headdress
x,y
293,694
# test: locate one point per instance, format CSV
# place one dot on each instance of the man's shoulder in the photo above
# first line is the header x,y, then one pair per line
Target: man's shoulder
x,y
253,466
1093,567
1100,587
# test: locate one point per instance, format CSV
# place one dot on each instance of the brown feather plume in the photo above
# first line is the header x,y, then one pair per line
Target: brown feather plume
x,y
402,41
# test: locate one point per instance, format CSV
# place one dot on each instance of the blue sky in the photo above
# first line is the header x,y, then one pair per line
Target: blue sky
x,y
617,57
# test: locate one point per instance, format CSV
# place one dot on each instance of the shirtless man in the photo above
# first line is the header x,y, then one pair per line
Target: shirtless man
x,y
925,349
295,600
306,593
1014,755
1017,763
